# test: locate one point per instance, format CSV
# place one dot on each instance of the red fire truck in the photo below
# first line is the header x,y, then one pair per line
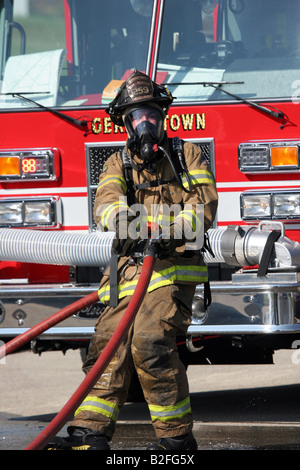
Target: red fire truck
x,y
233,68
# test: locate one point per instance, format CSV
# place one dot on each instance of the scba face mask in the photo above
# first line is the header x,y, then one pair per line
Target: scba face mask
x,y
145,127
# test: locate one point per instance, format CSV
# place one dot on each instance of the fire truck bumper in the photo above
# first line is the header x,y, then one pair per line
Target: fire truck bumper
x,y
245,305
250,305
23,306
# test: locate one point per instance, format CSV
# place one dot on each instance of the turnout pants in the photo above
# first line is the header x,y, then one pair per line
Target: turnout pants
x,y
150,348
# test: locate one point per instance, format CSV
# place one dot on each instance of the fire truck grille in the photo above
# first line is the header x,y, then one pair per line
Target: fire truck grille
x,y
97,157
98,154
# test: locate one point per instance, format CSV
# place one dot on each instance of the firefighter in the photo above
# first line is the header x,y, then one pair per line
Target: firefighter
x,y
161,173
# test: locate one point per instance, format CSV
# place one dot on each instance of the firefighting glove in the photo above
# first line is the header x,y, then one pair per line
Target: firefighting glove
x,y
126,236
168,244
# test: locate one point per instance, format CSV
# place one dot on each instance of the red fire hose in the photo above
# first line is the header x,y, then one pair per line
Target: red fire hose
x,y
92,377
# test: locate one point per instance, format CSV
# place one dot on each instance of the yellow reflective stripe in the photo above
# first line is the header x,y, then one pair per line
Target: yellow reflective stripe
x,y
162,278
198,177
158,218
111,208
113,179
190,216
164,413
166,218
104,294
178,273
98,405
123,290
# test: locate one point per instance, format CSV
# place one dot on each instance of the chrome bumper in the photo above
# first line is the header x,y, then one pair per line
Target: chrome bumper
x,y
245,305
24,306
251,305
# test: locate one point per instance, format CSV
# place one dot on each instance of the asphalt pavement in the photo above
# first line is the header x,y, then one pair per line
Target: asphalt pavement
x,y
237,407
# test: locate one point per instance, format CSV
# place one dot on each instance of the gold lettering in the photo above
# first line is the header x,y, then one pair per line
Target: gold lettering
x,y
96,125
175,126
107,125
187,121
118,129
174,121
200,121
165,122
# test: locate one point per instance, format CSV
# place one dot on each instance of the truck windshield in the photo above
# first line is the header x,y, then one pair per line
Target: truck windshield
x,y
70,52
256,42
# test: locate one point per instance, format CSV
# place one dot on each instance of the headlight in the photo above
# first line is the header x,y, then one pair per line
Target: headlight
x,y
275,205
256,206
29,212
37,213
286,205
10,213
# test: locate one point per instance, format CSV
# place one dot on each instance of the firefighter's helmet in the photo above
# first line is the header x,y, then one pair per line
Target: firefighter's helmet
x,y
138,90
141,106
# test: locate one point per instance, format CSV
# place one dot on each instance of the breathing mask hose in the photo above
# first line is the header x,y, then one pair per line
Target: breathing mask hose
x,y
100,365
32,333
175,172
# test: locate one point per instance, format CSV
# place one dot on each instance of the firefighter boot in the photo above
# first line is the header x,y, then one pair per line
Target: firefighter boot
x,y
184,442
79,439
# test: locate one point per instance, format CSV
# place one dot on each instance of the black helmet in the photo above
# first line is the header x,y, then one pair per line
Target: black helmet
x,y
137,90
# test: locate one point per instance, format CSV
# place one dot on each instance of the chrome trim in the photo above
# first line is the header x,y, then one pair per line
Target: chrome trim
x,y
55,332
50,290
243,329
151,37
157,41
73,333
86,332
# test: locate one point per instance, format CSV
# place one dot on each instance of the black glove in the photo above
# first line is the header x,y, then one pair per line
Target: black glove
x,y
167,246
121,245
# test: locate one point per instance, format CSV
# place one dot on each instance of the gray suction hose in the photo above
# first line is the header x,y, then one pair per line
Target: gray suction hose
x,y
234,245
58,248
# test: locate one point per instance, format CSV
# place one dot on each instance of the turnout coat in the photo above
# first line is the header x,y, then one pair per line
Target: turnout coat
x,y
159,198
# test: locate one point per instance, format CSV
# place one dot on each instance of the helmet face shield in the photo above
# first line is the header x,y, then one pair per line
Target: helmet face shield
x,y
145,127
145,119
